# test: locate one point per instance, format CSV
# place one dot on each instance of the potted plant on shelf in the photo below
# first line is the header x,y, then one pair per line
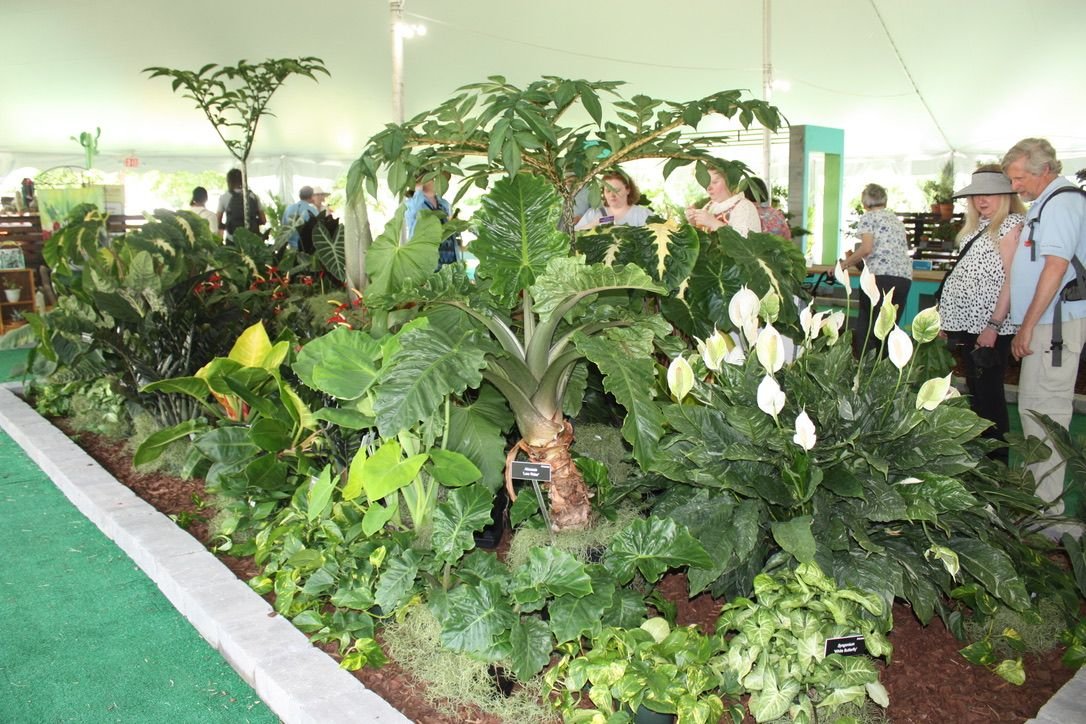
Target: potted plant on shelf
x,y
940,192
12,290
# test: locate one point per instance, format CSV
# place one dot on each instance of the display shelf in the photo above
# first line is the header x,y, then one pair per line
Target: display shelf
x,y
11,312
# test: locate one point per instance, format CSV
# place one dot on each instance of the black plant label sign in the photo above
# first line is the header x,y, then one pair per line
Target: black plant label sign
x,y
846,646
530,471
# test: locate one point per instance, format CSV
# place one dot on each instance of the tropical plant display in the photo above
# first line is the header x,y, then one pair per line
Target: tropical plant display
x,y
356,448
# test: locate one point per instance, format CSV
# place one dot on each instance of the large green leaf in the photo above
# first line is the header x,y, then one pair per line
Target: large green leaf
x,y
573,616
624,356
429,365
331,249
478,432
227,445
473,617
342,363
382,473
994,569
567,280
464,512
319,493
775,697
155,444
665,254
518,234
395,584
393,265
532,645
453,469
795,537
550,571
652,546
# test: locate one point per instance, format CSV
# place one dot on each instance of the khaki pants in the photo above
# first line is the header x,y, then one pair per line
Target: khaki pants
x,y
1050,390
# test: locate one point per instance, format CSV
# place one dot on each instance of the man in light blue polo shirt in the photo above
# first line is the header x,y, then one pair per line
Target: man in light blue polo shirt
x,y
298,213
1042,268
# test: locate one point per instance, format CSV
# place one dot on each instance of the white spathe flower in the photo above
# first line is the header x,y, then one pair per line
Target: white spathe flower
x,y
751,330
743,307
926,325
933,392
870,288
887,318
806,319
805,435
831,326
770,349
840,273
735,356
899,347
770,397
680,378
714,349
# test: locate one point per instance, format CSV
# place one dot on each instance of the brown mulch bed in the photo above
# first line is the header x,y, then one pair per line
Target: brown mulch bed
x,y
928,680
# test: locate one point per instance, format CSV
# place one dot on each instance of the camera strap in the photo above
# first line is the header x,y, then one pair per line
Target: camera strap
x,y
961,255
1073,291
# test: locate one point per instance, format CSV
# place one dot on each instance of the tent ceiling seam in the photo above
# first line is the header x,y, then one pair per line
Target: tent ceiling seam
x,y
909,75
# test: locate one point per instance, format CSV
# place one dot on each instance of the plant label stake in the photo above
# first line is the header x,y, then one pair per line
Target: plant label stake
x,y
534,472
846,646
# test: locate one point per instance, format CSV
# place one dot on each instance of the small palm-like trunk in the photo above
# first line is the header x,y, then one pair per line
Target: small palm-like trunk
x,y
569,496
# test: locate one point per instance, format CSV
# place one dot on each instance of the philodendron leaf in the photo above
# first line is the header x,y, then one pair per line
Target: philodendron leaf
x,y
377,515
652,546
453,469
395,265
227,445
429,365
994,569
568,279
774,698
550,571
518,234
473,618
251,347
342,363
532,645
795,537
574,616
477,430
624,356
396,581
382,473
456,521
151,448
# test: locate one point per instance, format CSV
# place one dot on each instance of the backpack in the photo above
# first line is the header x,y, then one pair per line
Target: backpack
x,y
235,210
1073,291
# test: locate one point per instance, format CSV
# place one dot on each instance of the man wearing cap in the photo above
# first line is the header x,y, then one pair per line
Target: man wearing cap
x,y
300,212
1042,268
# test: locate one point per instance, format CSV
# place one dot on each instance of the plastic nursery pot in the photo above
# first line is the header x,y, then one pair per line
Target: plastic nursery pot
x,y
13,294
648,716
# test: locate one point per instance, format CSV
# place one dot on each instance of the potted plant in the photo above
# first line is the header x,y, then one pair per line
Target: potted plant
x,y
12,290
940,192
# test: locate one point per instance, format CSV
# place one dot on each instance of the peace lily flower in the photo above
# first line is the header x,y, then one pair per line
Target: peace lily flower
x,y
743,306
770,349
680,378
887,318
831,326
933,392
867,283
926,325
714,349
805,435
770,397
841,274
735,356
810,322
899,347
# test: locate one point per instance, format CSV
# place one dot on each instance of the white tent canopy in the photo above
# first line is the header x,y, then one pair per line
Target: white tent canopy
x,y
911,83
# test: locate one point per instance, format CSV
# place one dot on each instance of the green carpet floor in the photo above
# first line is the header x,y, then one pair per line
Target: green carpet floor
x,y
85,636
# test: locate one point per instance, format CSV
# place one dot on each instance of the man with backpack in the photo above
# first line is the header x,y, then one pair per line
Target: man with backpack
x,y
232,207
1048,298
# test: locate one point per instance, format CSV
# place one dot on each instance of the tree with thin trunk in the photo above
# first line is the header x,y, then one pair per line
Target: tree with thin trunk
x,y
235,97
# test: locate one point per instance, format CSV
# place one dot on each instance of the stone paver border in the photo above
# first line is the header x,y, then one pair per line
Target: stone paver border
x,y
297,681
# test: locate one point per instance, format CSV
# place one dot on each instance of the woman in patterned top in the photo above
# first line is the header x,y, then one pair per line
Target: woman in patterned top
x,y
975,295
885,251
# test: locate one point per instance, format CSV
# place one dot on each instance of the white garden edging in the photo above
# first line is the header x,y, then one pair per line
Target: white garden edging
x,y
297,681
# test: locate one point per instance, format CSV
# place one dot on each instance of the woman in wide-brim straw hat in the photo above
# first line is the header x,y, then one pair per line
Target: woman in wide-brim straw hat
x,y
975,296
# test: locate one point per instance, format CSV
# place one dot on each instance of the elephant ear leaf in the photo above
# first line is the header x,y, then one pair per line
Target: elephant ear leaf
x,y
430,364
464,512
518,234
568,280
652,546
396,264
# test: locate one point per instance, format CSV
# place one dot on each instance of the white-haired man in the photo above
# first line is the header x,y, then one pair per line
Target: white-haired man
x,y
1051,332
